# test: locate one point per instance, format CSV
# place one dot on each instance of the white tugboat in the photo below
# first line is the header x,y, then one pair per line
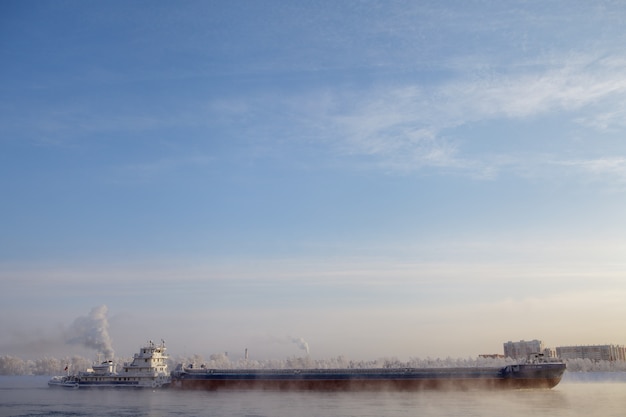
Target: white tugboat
x,y
147,370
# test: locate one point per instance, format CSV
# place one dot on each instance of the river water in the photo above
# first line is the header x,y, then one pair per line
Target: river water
x,y
579,394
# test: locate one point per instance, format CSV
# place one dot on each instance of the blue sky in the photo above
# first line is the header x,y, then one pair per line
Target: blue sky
x,y
379,178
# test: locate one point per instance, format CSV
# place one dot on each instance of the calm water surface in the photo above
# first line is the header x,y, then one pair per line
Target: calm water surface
x,y
602,395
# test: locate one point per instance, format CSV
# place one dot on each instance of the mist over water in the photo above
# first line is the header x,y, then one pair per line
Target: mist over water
x,y
594,397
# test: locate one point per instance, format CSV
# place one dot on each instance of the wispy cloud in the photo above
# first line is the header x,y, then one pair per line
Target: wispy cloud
x,y
608,170
530,94
418,124
411,127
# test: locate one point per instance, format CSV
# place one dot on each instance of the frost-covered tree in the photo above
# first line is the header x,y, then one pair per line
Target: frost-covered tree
x,y
11,365
46,366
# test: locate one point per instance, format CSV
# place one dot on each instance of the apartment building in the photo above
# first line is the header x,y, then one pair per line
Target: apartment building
x,y
593,352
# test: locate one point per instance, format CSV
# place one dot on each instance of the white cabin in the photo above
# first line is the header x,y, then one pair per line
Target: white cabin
x,y
148,369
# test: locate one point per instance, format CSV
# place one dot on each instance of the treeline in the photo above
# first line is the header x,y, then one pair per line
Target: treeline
x,y
11,365
588,365
222,361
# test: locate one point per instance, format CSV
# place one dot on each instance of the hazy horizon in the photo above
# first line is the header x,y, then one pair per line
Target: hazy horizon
x,y
88,337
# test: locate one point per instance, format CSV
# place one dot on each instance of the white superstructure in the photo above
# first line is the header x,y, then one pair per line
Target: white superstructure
x,y
148,369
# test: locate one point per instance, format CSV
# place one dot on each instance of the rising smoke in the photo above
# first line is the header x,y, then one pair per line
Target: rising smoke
x,y
302,344
92,332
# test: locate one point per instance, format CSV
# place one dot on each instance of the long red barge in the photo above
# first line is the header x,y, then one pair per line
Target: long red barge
x,y
532,374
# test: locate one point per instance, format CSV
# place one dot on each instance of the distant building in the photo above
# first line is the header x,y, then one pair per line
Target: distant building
x,y
595,352
521,349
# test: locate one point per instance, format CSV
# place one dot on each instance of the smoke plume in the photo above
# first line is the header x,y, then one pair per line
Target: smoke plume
x,y
302,344
92,332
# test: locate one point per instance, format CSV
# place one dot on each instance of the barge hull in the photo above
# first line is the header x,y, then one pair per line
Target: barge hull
x,y
390,385
511,377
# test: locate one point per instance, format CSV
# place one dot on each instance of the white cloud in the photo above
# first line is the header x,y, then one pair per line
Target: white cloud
x,y
409,127
526,95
